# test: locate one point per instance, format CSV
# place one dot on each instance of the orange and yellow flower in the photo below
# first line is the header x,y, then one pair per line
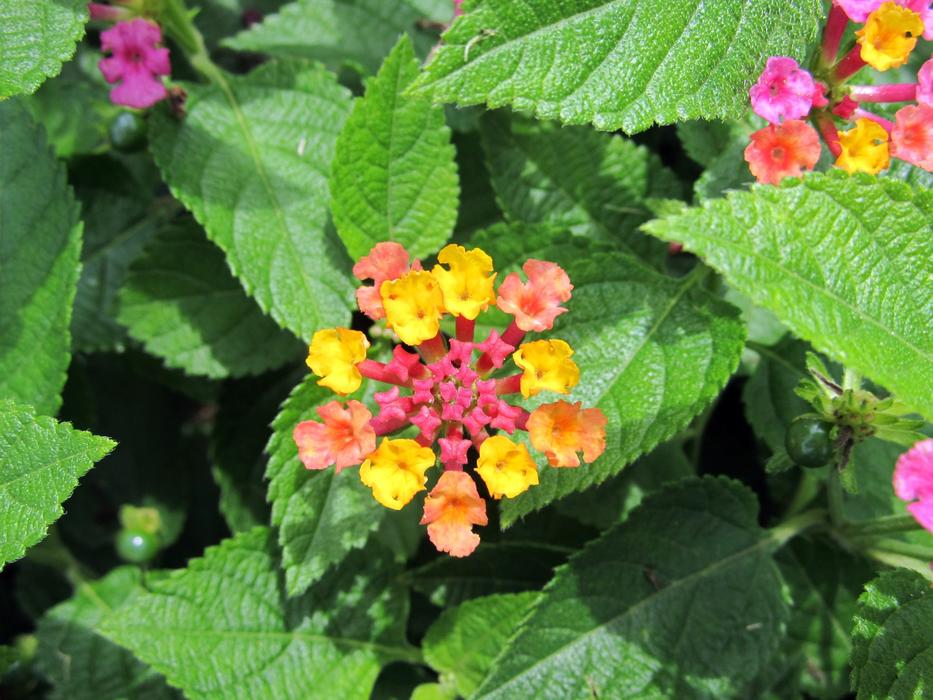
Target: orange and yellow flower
x,y
889,36
468,283
344,438
506,467
560,430
864,148
413,306
396,471
334,354
451,510
547,366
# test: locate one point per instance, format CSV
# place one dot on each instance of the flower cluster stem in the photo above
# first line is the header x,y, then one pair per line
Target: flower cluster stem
x,y
896,92
833,33
850,64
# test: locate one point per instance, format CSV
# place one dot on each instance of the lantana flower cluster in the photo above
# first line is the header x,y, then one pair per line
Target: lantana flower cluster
x,y
791,98
455,391
137,60
913,482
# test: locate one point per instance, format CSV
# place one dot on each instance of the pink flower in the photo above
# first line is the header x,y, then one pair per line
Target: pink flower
x,y
536,303
784,150
925,83
107,13
458,8
137,61
913,481
858,11
912,135
344,439
784,91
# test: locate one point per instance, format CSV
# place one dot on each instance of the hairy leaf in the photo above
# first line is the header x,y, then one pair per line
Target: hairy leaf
x,y
641,61
41,461
251,161
40,242
464,640
653,352
36,37
181,302
337,32
222,627
843,261
83,665
590,183
395,177
681,600
892,638
321,516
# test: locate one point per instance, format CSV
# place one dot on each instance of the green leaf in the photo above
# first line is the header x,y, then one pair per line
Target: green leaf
x,y
116,203
842,260
321,516
79,662
395,176
593,184
251,160
682,600
222,627
892,638
40,242
770,401
653,352
181,302
824,582
41,461
495,567
610,502
36,37
336,32
464,640
641,62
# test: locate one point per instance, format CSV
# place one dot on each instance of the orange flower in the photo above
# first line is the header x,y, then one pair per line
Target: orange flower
x,y
451,510
386,261
345,437
784,150
536,303
912,136
562,429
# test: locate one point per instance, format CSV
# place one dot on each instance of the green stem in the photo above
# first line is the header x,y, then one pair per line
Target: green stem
x,y
834,497
900,561
882,526
917,551
851,380
790,528
176,20
808,488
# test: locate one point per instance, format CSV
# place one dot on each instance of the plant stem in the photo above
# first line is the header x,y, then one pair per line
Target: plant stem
x,y
882,526
851,380
832,35
807,489
917,551
790,528
834,497
900,560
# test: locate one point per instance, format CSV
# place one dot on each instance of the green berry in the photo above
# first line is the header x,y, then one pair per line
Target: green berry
x,y
809,442
136,546
128,132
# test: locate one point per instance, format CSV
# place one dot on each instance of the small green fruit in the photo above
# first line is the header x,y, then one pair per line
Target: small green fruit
x,y
808,442
136,546
128,132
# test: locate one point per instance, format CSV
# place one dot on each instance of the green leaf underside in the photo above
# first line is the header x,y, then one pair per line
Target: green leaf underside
x,y
642,61
843,261
41,461
40,245
395,174
653,352
321,515
682,600
336,32
251,161
36,37
83,665
892,638
181,302
464,640
593,184
222,627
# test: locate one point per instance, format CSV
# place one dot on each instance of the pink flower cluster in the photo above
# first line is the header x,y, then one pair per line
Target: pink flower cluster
x,y
913,481
788,96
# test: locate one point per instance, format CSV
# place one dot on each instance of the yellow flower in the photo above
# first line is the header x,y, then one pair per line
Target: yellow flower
x,y
506,467
864,148
467,285
889,35
413,304
395,471
334,354
547,365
